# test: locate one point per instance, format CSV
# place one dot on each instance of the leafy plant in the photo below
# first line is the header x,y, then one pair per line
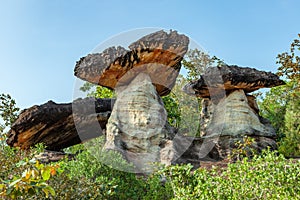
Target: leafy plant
x,y
8,114
97,91
290,62
280,105
266,176
290,145
23,175
243,149
172,107
8,109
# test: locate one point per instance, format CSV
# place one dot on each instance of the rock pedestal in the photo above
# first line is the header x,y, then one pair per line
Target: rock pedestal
x,y
138,125
232,118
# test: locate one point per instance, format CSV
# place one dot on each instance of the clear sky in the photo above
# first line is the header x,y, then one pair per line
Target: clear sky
x,y
40,40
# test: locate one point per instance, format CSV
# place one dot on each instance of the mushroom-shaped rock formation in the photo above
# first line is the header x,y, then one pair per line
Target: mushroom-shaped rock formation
x,y
56,125
158,54
228,112
138,126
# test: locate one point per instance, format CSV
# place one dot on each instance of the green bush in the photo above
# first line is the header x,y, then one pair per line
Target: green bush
x,y
290,145
264,177
267,176
22,176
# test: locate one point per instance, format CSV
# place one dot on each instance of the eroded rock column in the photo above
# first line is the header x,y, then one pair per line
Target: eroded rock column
x,y
137,126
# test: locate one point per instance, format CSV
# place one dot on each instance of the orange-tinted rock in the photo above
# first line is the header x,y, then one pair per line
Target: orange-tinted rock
x,y
158,54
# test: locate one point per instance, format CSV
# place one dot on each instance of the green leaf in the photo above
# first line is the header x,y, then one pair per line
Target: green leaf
x,y
48,189
21,163
14,182
46,174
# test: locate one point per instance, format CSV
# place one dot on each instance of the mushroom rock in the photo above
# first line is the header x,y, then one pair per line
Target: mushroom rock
x,y
58,125
158,54
137,127
228,112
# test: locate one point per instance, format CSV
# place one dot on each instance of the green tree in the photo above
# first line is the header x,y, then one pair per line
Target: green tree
x,y
290,63
290,145
8,109
96,91
281,104
8,113
197,61
290,69
273,107
182,109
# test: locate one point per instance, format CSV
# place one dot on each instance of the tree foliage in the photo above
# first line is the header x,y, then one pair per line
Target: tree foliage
x,y
281,104
97,91
290,63
8,109
197,61
8,114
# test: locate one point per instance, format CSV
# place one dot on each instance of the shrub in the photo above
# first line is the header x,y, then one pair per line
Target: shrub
x,y
264,177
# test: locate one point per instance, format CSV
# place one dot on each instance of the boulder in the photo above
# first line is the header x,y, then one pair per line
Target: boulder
x,y
58,125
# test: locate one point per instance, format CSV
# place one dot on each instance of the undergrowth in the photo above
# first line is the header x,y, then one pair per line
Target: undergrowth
x,y
265,176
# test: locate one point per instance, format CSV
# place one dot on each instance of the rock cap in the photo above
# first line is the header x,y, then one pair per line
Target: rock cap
x,y
229,78
158,54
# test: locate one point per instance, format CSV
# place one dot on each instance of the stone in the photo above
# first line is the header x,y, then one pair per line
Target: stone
x,y
233,116
60,125
53,156
137,127
158,54
227,78
228,112
229,121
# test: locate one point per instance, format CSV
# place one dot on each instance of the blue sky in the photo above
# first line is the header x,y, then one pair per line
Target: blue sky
x,y
40,40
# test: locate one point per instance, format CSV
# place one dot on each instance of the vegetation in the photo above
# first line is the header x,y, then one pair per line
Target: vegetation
x,y
267,176
281,104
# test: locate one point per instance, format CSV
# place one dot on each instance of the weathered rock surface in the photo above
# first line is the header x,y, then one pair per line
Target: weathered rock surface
x,y
216,80
222,146
138,127
58,125
233,116
230,120
228,112
53,156
158,54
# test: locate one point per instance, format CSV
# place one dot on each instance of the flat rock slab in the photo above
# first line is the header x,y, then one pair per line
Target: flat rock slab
x,y
158,54
60,125
225,79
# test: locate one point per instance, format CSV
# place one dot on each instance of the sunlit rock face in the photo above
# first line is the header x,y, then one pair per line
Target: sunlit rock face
x,y
231,119
137,126
233,116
